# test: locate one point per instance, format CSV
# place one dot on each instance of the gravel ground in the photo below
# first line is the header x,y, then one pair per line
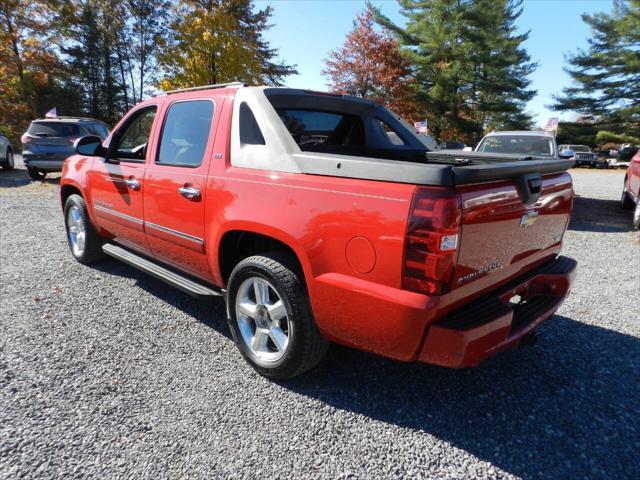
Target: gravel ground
x,y
107,373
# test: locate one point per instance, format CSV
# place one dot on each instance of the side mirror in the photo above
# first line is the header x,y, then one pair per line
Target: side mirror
x,y
90,146
567,153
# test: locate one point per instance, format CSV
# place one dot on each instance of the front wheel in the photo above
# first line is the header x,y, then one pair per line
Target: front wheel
x,y
270,317
84,242
36,174
636,216
8,162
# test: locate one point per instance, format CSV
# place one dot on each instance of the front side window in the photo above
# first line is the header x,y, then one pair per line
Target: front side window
x,y
131,141
185,133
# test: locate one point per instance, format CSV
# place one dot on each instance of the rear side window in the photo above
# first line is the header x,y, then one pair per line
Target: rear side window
x,y
313,128
387,132
250,133
53,129
185,133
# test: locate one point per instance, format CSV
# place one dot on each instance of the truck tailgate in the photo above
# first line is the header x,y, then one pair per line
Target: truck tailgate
x,y
501,235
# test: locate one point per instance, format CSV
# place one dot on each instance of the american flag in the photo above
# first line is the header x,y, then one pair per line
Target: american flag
x,y
551,125
421,127
53,113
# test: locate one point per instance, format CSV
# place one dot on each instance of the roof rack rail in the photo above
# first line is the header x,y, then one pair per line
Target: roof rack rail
x,y
206,87
70,117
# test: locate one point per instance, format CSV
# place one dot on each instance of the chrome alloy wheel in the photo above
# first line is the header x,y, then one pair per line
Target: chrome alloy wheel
x,y
262,320
636,215
76,230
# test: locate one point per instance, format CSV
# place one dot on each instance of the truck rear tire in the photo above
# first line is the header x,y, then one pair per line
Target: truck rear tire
x,y
270,317
84,242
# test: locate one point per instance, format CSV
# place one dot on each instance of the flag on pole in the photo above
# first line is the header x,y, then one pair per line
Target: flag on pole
x,y
53,113
551,125
421,127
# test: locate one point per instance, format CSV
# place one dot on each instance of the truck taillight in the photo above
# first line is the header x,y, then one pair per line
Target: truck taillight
x,y
431,243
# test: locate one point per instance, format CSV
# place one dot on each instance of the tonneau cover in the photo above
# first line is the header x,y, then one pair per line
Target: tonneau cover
x,y
434,171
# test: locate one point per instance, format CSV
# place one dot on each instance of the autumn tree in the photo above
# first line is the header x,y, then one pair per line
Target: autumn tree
x,y
217,41
30,69
370,65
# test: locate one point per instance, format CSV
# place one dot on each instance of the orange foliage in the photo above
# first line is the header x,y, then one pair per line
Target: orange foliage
x,y
370,65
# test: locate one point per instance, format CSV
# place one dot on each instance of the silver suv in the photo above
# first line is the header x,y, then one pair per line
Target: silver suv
x,y
48,141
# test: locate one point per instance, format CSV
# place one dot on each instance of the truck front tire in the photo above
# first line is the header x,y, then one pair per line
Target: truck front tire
x,y
84,242
270,317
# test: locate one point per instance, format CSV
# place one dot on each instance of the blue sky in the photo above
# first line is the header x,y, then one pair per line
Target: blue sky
x,y
306,30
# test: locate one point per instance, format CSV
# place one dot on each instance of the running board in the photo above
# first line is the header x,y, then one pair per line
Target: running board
x,y
161,273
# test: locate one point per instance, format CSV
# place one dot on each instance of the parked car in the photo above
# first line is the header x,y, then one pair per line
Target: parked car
x,y
48,141
317,227
529,143
452,145
584,156
6,153
631,189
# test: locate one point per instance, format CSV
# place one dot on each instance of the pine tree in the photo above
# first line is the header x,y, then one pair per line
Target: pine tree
x,y
370,65
471,70
501,67
607,74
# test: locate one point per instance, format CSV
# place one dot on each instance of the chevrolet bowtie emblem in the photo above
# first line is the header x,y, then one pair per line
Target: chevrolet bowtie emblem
x,y
529,218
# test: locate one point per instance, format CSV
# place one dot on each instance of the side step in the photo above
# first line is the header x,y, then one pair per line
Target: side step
x,y
161,273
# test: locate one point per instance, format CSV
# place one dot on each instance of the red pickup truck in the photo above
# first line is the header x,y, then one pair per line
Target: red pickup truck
x,y
324,218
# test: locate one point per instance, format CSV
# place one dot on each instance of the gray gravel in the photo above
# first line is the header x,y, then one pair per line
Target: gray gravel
x,y
107,373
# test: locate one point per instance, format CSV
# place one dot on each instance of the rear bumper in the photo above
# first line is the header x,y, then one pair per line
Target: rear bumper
x,y
405,326
493,324
50,164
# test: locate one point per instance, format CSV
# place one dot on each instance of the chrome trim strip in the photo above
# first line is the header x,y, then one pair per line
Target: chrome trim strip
x,y
115,180
185,236
117,214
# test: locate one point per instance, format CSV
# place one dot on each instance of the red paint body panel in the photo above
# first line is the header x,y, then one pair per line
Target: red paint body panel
x,y
632,178
348,234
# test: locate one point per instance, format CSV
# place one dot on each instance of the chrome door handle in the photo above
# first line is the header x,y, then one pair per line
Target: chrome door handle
x,y
132,183
192,193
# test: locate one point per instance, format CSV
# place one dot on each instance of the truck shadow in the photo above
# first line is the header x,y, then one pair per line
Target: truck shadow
x,y
566,408
208,312
599,215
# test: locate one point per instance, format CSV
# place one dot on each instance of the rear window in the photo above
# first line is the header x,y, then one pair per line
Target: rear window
x,y
53,129
524,145
314,128
579,148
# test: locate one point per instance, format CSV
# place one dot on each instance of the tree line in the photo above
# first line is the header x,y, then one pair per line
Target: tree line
x,y
460,63
100,57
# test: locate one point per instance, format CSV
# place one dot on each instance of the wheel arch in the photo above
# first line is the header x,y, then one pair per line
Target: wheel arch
x,y
67,190
238,243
